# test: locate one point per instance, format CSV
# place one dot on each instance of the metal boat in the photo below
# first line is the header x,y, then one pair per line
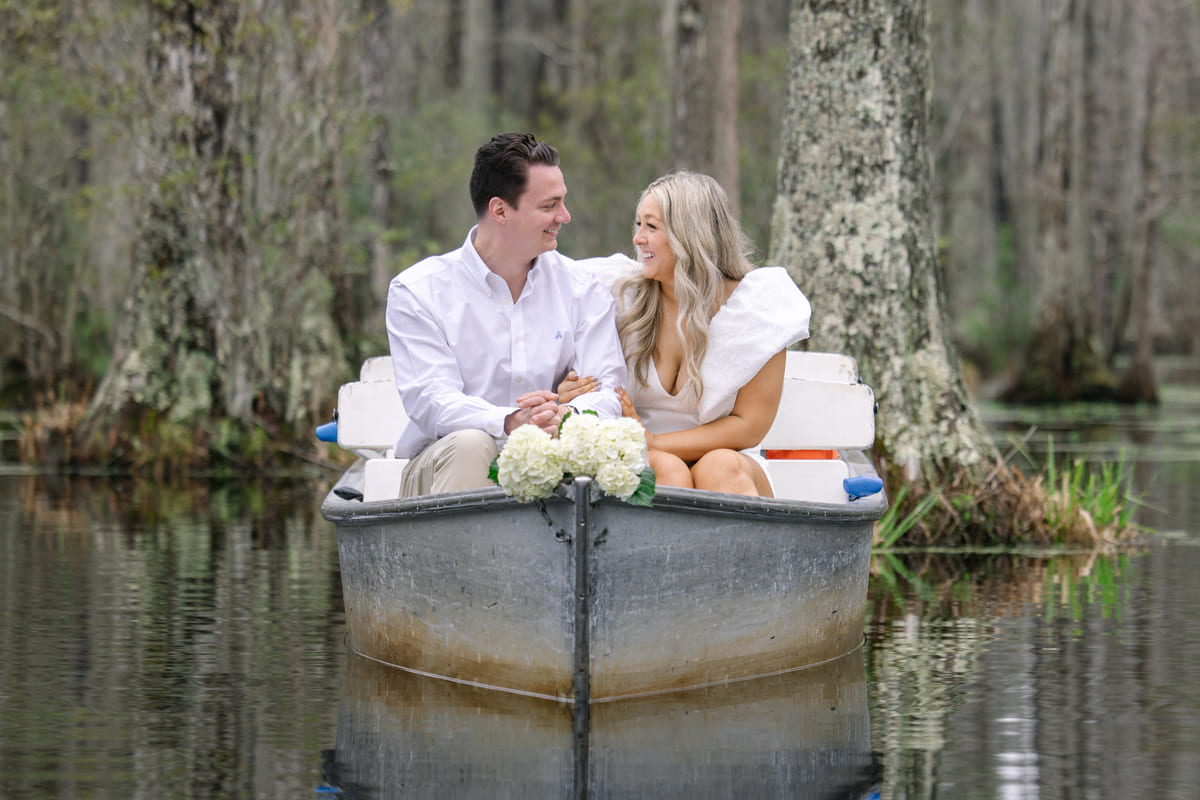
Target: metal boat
x,y
582,598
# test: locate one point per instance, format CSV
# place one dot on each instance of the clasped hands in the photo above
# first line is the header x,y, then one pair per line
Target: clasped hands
x,y
546,409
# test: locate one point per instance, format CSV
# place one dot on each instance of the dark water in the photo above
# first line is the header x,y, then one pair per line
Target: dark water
x,y
169,643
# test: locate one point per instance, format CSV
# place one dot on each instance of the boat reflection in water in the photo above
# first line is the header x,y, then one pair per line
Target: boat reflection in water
x,y
801,734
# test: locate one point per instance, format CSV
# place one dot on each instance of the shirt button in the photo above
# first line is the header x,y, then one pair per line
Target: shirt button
x,y
517,380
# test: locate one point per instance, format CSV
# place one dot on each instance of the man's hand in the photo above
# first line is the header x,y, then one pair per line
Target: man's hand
x,y
539,408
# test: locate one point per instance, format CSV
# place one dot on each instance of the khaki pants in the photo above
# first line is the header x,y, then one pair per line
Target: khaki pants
x,y
455,462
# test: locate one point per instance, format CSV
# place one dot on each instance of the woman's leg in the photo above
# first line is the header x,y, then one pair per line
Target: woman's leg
x,y
732,472
670,470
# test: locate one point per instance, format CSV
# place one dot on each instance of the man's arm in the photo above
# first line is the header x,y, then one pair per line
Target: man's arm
x,y
427,373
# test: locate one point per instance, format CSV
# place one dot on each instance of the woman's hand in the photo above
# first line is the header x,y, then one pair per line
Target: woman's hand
x,y
573,386
627,410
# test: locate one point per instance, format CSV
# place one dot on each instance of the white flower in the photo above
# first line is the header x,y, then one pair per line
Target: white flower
x,y
622,440
530,465
576,438
612,451
618,480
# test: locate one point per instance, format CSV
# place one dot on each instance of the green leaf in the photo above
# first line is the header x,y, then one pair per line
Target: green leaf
x,y
494,471
644,494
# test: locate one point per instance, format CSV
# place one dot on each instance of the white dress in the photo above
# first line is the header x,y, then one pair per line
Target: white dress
x,y
764,314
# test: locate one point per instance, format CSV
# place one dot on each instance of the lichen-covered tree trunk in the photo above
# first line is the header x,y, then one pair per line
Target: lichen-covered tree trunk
x,y
853,225
225,341
189,280
376,60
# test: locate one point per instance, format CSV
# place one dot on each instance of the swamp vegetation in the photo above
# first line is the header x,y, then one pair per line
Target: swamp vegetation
x,y
201,203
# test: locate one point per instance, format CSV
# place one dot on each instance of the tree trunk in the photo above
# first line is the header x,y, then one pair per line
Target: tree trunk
x,y
480,66
1063,359
702,40
853,225
963,154
725,17
1138,384
375,67
191,249
228,319
1017,54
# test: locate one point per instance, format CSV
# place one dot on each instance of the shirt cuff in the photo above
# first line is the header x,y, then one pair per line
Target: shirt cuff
x,y
495,424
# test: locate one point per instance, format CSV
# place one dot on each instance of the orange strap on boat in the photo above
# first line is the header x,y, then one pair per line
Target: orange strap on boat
x,y
815,455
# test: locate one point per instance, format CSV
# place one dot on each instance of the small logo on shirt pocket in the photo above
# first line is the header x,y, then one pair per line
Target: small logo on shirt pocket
x,y
558,335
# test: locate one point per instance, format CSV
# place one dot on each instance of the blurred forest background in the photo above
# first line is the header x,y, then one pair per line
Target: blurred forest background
x,y
201,203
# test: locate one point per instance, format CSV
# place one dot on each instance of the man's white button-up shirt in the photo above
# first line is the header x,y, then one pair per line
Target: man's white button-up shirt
x,y
463,351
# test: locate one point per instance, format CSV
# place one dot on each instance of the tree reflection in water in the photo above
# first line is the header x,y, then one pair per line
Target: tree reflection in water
x,y
1022,674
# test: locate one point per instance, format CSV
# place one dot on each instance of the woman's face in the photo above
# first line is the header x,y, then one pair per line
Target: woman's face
x,y
650,242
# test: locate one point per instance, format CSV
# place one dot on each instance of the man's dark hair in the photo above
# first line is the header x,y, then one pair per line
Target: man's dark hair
x,y
502,168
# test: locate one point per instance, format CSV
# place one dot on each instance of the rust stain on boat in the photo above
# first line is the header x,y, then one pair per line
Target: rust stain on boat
x,y
453,650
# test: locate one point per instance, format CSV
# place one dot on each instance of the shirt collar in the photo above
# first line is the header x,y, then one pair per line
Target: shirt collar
x,y
475,265
479,268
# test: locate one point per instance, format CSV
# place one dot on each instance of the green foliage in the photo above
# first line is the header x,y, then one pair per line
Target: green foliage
x,y
644,494
1083,506
432,210
891,528
1096,499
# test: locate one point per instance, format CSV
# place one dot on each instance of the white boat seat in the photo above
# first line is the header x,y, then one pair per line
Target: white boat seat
x,y
823,409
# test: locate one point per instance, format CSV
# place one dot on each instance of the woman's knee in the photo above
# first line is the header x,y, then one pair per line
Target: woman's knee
x,y
726,471
670,470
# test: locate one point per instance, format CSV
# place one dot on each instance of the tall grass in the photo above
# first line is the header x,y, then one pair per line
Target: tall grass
x,y
1080,505
1092,501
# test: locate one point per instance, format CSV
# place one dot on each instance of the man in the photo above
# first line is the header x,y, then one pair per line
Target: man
x,y
481,335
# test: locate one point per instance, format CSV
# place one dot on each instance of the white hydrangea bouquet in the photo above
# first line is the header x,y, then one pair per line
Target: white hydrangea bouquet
x,y
611,451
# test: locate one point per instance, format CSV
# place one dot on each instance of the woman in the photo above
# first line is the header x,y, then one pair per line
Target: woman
x,y
704,335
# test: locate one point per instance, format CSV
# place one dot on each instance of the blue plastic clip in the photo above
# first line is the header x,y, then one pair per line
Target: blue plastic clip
x,y
327,432
861,486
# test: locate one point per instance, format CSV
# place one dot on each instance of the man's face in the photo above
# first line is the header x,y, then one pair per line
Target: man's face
x,y
541,211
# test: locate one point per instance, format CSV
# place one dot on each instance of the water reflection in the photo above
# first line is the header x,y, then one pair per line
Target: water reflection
x,y
164,643
1037,675
190,643
803,734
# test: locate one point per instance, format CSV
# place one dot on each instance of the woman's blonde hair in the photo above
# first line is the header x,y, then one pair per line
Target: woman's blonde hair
x,y
709,246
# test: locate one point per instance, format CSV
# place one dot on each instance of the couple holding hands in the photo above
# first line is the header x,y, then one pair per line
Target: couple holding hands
x,y
505,331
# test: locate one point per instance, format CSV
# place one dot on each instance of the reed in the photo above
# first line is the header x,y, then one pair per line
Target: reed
x,y
1085,503
1080,505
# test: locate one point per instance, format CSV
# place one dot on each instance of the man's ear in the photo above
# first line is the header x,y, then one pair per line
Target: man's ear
x,y
498,210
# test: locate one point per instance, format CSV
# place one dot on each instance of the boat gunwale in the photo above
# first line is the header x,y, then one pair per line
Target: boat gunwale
x,y
356,513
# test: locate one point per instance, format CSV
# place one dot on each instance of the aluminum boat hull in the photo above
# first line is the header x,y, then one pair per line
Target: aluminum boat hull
x,y
582,598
